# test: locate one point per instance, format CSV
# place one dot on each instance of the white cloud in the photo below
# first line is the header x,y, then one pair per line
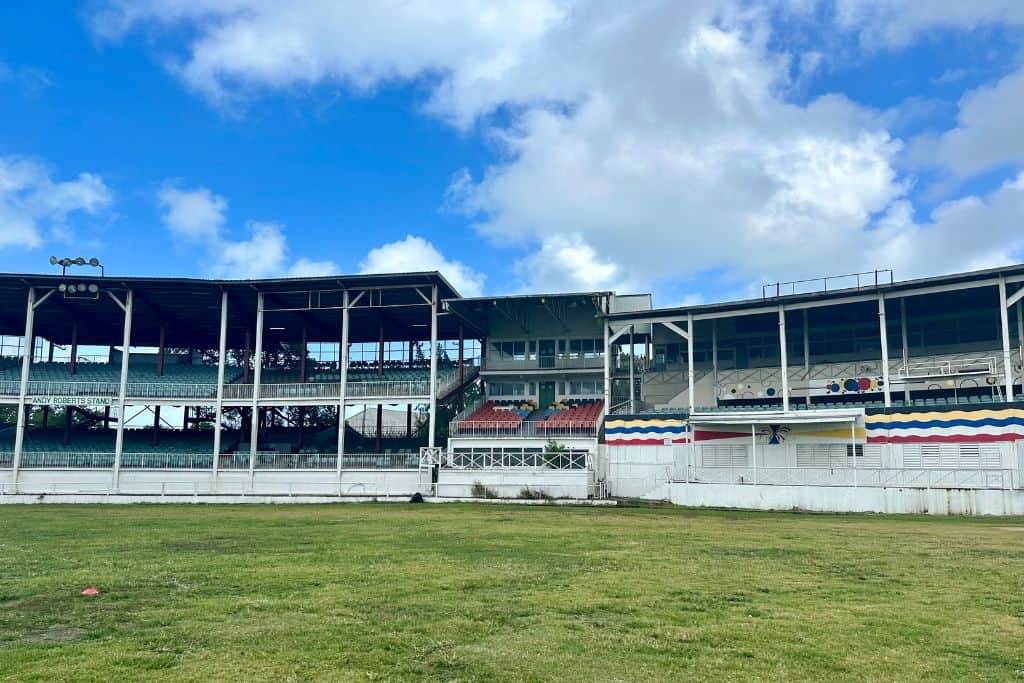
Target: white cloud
x,y
198,216
417,254
643,142
34,206
988,130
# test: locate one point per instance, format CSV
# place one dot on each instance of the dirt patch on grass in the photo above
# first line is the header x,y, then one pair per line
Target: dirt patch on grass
x,y
55,634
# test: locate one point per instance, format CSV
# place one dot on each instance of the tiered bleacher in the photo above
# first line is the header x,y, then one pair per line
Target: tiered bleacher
x,y
497,415
95,448
571,415
178,379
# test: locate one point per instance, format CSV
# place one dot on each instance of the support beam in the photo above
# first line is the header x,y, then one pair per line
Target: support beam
x,y
1020,336
254,423
462,373
1004,328
906,348
380,373
408,407
73,361
883,334
632,381
1015,297
783,361
126,344
222,352
343,377
607,369
433,365
247,357
689,360
26,365
807,358
161,351
714,356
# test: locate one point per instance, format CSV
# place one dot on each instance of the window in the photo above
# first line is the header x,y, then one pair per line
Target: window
x,y
724,456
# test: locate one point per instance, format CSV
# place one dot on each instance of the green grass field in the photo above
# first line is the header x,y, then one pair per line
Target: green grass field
x,y
376,592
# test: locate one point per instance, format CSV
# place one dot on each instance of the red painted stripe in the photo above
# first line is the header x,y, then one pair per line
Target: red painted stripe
x,y
705,435
641,442
950,438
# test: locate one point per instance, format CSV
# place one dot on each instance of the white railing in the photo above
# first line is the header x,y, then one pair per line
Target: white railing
x,y
234,461
167,461
299,390
523,430
381,461
544,364
979,478
949,367
476,460
6,460
388,388
296,461
65,460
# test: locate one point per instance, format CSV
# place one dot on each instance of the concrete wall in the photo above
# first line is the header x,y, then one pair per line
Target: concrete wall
x,y
640,471
508,483
850,499
231,483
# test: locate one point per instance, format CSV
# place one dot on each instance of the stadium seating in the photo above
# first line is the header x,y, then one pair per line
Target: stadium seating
x,y
178,379
496,415
571,415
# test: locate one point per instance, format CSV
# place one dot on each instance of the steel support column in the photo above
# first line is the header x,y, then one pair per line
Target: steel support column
x,y
221,362
254,423
26,365
122,392
906,348
343,378
782,358
883,334
1004,324
689,361
433,364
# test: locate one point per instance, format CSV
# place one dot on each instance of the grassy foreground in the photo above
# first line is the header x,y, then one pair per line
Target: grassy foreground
x,y
378,592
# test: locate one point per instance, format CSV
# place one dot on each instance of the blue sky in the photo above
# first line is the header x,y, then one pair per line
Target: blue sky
x,y
694,150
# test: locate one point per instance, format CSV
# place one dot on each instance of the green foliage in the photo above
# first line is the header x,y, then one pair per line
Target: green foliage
x,y
478,490
526,493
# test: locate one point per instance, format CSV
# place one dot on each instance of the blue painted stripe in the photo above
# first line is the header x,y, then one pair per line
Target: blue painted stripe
x,y
935,424
645,430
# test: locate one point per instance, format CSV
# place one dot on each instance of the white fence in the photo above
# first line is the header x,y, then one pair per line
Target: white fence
x,y
511,458
956,478
524,430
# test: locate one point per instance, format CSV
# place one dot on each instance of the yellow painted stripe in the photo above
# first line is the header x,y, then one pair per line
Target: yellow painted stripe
x,y
635,424
946,415
859,433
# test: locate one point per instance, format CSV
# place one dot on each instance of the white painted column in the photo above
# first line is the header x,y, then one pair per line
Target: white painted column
x,y
782,358
883,333
714,354
753,449
632,382
1005,329
853,445
807,359
26,365
433,365
221,360
906,348
126,343
607,367
1020,338
254,423
343,378
689,360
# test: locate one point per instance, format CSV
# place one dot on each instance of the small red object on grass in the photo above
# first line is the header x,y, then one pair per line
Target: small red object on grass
x,y
90,591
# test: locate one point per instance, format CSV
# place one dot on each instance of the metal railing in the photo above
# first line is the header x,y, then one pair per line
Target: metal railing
x,y
939,478
296,461
66,460
476,460
545,364
867,279
167,461
948,367
381,461
524,430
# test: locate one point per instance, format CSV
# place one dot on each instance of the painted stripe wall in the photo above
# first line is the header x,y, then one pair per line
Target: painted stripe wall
x,y
1006,424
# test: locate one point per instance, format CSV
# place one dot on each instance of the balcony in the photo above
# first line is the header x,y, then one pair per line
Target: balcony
x,y
542,363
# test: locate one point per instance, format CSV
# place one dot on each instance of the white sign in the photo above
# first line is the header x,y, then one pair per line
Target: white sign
x,y
70,400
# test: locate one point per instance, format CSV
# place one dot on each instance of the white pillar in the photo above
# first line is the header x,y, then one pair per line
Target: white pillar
x,y
125,353
343,378
906,348
254,423
753,449
883,333
1020,333
433,364
853,445
221,359
807,359
632,382
1005,329
26,365
689,360
782,358
608,367
714,354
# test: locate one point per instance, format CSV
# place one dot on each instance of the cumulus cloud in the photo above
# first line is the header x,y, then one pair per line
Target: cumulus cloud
x,y
197,215
417,254
639,142
33,205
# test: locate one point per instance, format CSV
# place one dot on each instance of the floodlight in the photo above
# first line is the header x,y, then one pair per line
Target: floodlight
x,y
79,261
94,262
93,288
62,287
54,260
